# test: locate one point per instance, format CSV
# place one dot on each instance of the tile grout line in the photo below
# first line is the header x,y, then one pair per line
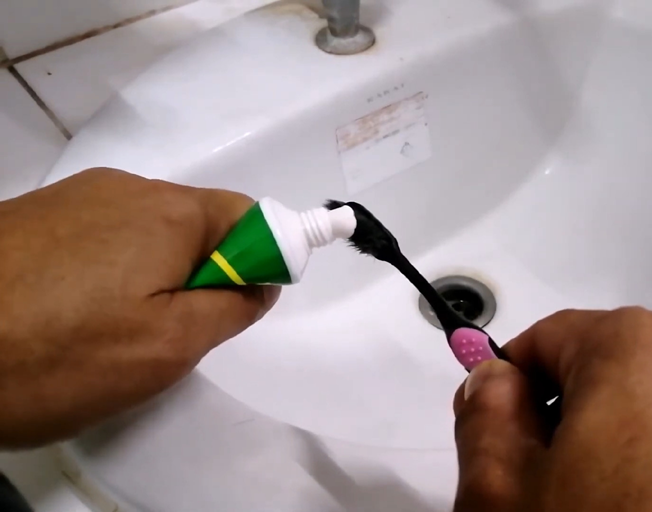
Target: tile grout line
x,y
41,104
7,62
10,63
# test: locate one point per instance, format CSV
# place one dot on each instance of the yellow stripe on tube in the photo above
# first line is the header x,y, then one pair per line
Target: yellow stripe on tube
x,y
227,268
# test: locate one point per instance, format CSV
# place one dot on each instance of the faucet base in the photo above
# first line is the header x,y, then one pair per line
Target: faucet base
x,y
361,41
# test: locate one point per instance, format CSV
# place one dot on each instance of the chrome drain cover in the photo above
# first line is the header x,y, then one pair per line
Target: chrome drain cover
x,y
470,298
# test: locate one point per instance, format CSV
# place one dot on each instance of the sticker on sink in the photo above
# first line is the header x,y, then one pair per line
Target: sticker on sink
x,y
384,143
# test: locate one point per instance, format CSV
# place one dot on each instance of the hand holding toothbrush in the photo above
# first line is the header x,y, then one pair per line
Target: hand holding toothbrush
x,y
600,457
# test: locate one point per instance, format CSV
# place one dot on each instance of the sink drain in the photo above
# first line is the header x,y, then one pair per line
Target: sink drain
x,y
469,297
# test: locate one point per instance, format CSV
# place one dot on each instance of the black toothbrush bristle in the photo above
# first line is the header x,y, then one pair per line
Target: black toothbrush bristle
x,y
333,204
370,237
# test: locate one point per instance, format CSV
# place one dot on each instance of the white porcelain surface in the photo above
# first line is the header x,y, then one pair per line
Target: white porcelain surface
x,y
77,80
37,475
27,25
29,142
539,119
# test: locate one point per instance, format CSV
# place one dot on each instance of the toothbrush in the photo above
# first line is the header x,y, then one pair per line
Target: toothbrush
x,y
470,344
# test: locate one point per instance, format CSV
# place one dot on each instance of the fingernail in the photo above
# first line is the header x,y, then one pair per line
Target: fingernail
x,y
482,373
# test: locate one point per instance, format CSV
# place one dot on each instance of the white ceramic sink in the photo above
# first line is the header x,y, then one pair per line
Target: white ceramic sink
x,y
504,139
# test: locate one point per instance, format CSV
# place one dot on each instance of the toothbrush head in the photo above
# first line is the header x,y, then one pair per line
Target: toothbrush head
x,y
370,237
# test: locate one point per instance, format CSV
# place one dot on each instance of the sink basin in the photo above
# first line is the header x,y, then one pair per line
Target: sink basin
x,y
505,140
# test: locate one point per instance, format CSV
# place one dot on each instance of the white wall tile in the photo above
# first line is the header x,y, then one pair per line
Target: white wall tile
x,y
75,81
29,142
27,25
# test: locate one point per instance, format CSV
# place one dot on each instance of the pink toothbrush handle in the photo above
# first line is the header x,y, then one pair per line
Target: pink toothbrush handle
x,y
471,347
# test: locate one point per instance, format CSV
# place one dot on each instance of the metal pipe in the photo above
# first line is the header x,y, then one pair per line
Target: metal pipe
x,y
344,35
343,17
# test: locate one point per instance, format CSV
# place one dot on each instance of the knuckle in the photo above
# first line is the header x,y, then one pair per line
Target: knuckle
x,y
636,314
488,483
545,327
562,316
240,197
624,322
178,209
237,201
108,171
620,320
102,173
614,337
630,325
232,205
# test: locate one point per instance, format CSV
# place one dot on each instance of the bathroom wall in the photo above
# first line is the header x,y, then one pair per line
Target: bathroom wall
x,y
60,60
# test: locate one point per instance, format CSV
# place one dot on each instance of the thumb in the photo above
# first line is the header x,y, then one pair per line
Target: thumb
x,y
205,318
499,438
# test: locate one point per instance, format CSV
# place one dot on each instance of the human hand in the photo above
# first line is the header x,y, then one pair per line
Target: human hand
x,y
93,315
599,458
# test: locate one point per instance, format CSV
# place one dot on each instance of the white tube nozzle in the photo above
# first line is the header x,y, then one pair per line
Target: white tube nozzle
x,y
298,234
343,221
322,226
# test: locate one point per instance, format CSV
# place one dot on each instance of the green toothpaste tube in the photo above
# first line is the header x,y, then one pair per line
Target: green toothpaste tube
x,y
272,244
